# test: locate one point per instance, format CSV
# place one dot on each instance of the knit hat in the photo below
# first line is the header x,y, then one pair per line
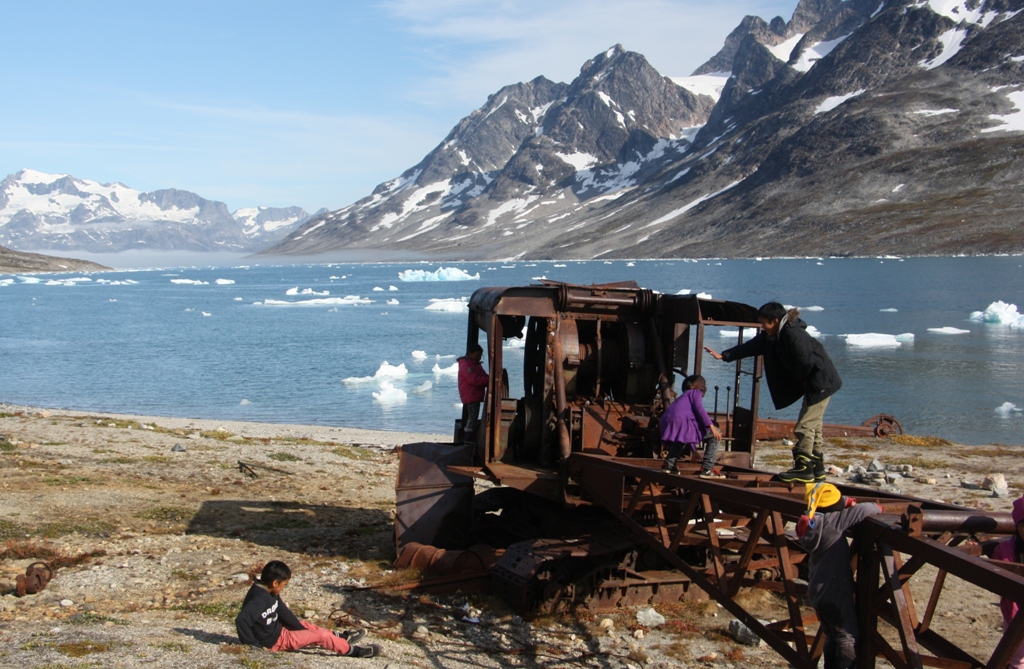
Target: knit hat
x,y
1018,510
820,495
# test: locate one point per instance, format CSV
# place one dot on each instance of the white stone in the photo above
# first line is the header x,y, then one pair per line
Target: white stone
x,y
649,617
66,603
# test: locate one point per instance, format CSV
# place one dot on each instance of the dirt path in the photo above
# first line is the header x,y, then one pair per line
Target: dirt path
x,y
164,532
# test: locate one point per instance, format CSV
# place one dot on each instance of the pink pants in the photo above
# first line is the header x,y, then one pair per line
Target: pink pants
x,y
311,636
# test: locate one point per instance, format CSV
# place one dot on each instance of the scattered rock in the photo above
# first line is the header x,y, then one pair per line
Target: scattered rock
x,y
889,487
832,470
997,484
876,466
649,617
893,477
927,481
743,634
516,620
606,623
66,602
178,448
638,634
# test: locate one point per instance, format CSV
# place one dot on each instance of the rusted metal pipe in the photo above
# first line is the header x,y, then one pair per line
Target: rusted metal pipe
x,y
918,521
564,443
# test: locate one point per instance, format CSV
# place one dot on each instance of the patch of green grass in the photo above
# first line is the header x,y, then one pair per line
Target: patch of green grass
x,y
82,648
7,447
352,452
9,530
219,435
161,459
167,514
92,528
224,610
284,457
184,575
120,460
65,480
89,618
911,440
253,663
103,450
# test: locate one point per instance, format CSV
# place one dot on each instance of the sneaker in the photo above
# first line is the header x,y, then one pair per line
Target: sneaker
x,y
351,636
709,474
370,650
802,471
670,470
818,460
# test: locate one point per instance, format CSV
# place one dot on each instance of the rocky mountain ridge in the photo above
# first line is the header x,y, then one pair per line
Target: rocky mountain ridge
x,y
17,262
856,127
40,211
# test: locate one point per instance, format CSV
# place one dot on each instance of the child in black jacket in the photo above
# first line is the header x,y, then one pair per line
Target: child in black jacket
x,y
266,622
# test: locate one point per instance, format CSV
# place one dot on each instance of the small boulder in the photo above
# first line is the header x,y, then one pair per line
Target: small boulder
x,y
994,481
876,466
649,617
743,634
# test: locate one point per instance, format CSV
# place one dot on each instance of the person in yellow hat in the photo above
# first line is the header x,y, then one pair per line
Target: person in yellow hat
x,y
821,531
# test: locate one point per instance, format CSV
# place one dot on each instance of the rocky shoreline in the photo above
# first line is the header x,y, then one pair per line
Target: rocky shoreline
x,y
17,262
159,532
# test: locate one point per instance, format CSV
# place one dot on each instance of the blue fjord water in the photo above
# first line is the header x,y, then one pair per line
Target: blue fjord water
x,y
148,348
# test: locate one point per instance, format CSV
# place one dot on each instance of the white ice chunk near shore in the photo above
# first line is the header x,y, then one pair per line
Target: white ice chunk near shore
x,y
190,282
423,387
872,340
1007,409
890,310
392,302
305,291
812,308
949,330
389,394
224,282
378,289
1000,313
384,372
419,355
453,370
440,274
452,305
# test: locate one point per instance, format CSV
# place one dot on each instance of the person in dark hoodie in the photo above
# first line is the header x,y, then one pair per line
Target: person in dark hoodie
x,y
796,367
266,622
830,587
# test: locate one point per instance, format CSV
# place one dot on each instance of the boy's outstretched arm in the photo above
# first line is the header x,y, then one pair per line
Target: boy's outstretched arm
x,y
288,619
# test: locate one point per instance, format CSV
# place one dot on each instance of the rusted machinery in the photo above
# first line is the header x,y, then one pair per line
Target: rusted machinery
x,y
570,494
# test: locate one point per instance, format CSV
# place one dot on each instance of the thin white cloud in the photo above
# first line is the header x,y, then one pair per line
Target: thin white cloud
x,y
479,47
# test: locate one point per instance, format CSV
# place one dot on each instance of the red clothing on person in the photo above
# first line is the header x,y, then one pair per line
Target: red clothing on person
x,y
310,636
472,380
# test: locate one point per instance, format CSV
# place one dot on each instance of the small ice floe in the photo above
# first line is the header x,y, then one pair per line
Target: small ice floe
x,y
445,357
890,310
389,394
238,299
112,299
393,288
392,302
540,278
457,405
188,309
317,302
423,387
29,279
514,342
905,337
378,289
812,308
190,282
438,370
6,282
244,403
949,331
728,333
704,296
559,265
631,264
454,305
224,282
384,372
206,313
419,355
440,274
1007,409
684,291
1001,313
813,331
872,340
305,291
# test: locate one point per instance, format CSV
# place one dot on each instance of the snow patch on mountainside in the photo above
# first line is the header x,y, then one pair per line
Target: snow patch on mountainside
x,y
710,85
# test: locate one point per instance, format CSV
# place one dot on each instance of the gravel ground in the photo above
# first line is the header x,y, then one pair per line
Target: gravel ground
x,y
162,532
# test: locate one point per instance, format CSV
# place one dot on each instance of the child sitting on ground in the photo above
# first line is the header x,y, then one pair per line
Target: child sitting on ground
x,y
266,622
830,580
685,424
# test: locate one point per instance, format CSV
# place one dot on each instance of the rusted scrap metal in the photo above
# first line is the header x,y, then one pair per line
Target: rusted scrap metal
x,y
740,522
442,562
880,425
37,575
249,469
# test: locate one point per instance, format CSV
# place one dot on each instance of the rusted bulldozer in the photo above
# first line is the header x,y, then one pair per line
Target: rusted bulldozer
x,y
561,488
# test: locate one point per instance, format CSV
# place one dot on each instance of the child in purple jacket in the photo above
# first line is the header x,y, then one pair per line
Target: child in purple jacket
x,y
1011,549
686,423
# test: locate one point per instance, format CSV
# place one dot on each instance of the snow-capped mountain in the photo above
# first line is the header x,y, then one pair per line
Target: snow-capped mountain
x,y
40,211
856,127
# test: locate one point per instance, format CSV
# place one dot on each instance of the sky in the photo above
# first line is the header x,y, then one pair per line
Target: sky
x,y
300,103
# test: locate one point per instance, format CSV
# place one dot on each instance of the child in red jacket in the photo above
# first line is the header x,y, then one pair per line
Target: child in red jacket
x,y
472,384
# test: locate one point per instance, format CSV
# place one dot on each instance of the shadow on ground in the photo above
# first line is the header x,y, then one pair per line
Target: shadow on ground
x,y
315,529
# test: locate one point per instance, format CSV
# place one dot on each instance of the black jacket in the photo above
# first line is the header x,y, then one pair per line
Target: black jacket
x,y
794,362
261,618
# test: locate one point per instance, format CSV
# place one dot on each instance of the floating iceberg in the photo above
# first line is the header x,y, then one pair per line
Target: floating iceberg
x,y
423,387
813,308
190,282
29,279
392,302
388,394
999,312
905,338
438,370
684,291
890,310
206,313
704,296
1007,409
384,372
419,355
224,282
392,288
378,289
244,403
238,299
455,305
813,331
305,291
514,342
949,330
539,278
728,333
317,302
559,265
872,340
440,274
